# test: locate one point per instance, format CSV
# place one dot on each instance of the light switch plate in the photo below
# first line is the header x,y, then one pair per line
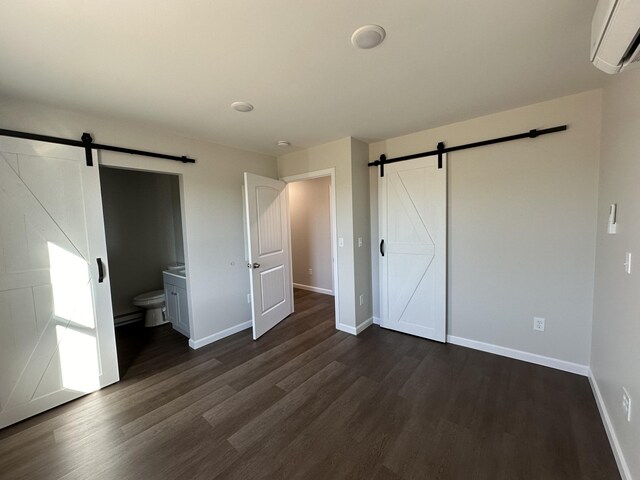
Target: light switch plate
x,y
626,404
627,262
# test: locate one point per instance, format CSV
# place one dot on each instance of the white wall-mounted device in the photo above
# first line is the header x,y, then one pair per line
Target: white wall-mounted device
x,y
627,262
614,35
612,225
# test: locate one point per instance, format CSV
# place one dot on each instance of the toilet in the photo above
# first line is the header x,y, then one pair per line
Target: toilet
x,y
153,303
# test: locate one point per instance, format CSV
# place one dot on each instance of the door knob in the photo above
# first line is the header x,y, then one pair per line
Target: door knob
x,y
255,265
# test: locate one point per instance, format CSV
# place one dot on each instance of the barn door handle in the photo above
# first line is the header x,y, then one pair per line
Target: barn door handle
x,y
382,247
100,270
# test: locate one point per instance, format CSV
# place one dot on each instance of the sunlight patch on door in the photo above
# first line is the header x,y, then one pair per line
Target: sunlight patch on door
x,y
73,311
78,360
70,282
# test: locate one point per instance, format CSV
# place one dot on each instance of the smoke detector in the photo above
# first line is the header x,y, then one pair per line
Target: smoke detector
x,y
368,36
283,143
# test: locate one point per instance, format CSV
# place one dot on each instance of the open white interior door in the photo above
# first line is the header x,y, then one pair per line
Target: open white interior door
x,y
413,249
269,251
57,338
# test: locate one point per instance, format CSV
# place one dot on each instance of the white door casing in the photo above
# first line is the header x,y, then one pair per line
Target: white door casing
x,y
413,225
269,251
57,339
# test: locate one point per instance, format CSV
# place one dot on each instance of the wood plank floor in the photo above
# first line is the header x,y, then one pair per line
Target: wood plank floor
x,y
309,402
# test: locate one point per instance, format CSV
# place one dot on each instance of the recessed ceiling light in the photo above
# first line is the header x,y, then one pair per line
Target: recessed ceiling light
x,y
283,143
243,107
368,36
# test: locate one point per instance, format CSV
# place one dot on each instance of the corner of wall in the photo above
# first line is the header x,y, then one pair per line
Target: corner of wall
x,y
614,353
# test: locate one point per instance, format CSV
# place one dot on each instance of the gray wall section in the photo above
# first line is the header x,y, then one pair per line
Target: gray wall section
x,y
521,225
361,230
310,213
615,354
176,205
143,233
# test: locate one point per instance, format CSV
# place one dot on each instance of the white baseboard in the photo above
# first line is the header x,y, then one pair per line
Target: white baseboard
x,y
355,330
611,433
364,325
347,328
201,342
376,320
325,291
520,355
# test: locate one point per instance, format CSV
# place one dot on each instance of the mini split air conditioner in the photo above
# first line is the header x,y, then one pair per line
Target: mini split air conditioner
x,y
615,35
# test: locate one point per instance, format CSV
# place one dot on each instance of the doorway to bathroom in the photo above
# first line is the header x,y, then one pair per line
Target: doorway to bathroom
x,y
145,247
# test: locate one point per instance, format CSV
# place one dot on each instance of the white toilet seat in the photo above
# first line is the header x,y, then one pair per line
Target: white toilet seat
x,y
149,298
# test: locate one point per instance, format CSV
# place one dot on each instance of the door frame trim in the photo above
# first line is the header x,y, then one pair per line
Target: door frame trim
x,y
327,172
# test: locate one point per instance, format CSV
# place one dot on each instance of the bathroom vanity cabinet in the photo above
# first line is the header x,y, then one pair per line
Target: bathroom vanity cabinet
x,y
175,292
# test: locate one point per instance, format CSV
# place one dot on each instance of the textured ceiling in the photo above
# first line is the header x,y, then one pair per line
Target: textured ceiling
x,y
180,64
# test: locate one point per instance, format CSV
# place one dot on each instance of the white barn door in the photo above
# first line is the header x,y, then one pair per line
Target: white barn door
x,y
269,251
57,337
413,247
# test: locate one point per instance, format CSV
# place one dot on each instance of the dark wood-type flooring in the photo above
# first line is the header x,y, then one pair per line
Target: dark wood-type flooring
x,y
307,401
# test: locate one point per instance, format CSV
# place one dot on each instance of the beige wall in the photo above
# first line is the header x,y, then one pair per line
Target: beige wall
x,y
521,226
361,230
211,200
142,237
310,212
615,351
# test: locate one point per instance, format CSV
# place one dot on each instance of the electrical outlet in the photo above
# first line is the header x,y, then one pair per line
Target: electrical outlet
x,y
341,242
626,404
361,300
538,324
311,271
359,241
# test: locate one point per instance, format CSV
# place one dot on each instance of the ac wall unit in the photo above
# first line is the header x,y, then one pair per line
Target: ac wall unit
x,y
615,35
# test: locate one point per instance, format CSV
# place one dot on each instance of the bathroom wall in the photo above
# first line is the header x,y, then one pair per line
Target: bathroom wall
x,y
310,213
144,231
177,218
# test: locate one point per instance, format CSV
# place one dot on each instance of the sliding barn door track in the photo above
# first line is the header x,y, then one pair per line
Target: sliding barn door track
x,y
440,149
86,142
